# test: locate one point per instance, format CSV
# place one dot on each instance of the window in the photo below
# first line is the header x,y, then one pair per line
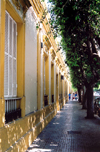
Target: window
x,y
10,73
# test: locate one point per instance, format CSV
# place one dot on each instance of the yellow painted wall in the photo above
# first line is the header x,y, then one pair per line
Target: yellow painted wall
x,y
20,133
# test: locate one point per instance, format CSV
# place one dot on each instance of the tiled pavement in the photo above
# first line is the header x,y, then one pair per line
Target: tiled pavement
x,y
69,131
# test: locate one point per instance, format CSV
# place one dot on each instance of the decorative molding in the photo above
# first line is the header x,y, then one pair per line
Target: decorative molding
x,y
53,54
17,4
57,61
46,42
60,66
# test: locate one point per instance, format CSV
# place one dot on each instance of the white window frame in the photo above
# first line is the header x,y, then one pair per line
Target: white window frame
x,y
11,49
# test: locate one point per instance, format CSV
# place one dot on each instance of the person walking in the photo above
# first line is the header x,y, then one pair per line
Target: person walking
x,y
69,96
75,96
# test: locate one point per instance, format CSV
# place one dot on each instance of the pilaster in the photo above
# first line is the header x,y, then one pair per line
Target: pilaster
x,y
54,81
2,48
38,69
21,65
49,77
42,75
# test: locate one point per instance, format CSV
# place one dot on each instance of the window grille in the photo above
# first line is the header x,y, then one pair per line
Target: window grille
x,y
10,73
12,109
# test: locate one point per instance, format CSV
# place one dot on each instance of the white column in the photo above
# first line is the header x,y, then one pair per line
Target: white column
x,y
58,83
54,81
42,74
62,87
49,77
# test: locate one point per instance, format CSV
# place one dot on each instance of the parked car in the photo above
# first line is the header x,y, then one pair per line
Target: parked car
x,y
97,106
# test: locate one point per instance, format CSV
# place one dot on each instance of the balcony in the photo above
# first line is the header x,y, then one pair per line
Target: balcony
x,y
12,109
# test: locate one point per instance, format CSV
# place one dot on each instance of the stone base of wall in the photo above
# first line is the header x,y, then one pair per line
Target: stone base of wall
x,y
18,135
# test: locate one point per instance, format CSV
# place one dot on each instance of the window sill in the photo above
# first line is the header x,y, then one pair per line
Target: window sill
x,y
12,98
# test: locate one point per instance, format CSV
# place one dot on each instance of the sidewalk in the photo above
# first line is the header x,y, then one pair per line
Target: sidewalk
x,y
69,131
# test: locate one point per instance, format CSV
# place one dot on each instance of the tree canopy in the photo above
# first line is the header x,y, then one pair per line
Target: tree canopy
x,y
78,23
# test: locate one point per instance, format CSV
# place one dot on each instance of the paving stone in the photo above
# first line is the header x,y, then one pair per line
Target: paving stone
x,y
69,131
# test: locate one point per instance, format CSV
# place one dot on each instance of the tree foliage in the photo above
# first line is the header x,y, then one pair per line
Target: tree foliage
x,y
78,22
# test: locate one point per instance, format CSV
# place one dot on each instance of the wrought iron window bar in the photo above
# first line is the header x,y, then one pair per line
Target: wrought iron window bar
x,y
12,109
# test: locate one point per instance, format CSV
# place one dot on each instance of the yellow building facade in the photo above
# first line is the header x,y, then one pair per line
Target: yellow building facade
x,y
34,82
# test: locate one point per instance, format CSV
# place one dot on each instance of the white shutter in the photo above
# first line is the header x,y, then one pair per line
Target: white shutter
x,y
10,76
10,56
14,60
15,39
6,34
6,76
10,36
14,78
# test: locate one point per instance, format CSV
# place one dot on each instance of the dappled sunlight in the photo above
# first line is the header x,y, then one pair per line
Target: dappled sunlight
x,y
67,106
52,144
40,150
22,132
36,145
30,139
59,112
56,123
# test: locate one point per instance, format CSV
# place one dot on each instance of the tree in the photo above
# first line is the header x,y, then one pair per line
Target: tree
x,y
75,74
78,21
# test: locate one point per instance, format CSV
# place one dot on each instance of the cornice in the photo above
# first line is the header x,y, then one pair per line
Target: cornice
x,y
53,54
57,61
46,42
24,4
38,7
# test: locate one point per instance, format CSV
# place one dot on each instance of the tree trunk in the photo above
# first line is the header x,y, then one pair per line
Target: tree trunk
x,y
84,103
89,91
79,94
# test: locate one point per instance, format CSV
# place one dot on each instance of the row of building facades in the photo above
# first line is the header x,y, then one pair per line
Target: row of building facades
x,y
34,81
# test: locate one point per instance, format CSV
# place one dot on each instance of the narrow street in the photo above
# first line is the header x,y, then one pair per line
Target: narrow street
x,y
69,131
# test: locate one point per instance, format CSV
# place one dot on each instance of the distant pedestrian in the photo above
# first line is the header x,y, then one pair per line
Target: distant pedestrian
x,y
75,96
69,96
